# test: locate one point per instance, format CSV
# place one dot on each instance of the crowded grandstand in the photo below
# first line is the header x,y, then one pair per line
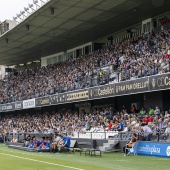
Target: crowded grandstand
x,y
135,57
109,95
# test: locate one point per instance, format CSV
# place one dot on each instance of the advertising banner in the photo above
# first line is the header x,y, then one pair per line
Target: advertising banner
x,y
7,107
159,82
77,95
18,105
142,85
132,87
58,98
43,101
152,149
28,103
69,97
102,91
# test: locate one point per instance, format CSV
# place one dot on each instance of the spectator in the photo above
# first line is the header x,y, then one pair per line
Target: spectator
x,y
65,142
133,109
167,114
109,126
27,141
161,123
130,144
167,132
145,119
157,111
151,111
143,111
113,75
147,133
120,125
150,119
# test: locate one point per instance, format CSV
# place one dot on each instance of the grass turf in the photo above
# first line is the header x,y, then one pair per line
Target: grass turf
x,y
22,160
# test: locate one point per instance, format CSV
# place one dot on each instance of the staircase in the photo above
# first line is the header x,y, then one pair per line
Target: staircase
x,y
109,146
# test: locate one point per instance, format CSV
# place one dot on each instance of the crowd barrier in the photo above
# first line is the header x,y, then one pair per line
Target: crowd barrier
x,y
94,135
87,135
74,135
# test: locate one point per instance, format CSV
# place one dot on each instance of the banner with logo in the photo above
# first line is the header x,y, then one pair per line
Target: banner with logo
x,y
125,87
70,97
43,101
102,91
77,95
159,82
146,84
132,86
152,149
7,107
58,98
18,105
28,103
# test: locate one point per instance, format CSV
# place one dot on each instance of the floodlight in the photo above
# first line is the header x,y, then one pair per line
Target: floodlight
x,y
19,15
15,18
35,1
26,9
22,13
42,1
31,6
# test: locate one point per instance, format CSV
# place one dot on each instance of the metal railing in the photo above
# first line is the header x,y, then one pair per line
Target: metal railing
x,y
121,136
83,83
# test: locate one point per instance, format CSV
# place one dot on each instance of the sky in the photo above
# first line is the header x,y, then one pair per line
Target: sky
x,y
9,8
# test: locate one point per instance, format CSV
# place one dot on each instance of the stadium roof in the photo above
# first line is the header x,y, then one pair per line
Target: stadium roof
x,y
75,22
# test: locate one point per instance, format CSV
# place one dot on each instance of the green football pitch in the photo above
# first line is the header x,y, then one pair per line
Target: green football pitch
x,y
12,159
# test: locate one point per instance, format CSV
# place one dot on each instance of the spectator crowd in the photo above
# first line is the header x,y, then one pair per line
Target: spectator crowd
x,y
132,58
146,123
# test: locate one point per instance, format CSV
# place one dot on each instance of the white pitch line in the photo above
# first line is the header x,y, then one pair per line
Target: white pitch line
x,y
34,160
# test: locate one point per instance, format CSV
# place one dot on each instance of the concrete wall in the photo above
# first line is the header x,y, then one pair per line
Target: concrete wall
x,y
153,99
127,100
103,102
97,142
166,99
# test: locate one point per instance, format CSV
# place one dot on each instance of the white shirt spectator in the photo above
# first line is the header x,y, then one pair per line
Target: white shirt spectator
x,y
147,130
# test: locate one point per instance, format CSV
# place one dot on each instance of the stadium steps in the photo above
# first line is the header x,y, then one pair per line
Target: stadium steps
x,y
109,146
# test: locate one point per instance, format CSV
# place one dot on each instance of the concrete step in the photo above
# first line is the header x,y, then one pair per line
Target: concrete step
x,y
108,145
104,148
113,141
101,148
114,150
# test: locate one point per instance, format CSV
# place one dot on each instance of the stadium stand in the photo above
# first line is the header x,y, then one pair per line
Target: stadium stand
x,y
133,57
136,57
98,120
